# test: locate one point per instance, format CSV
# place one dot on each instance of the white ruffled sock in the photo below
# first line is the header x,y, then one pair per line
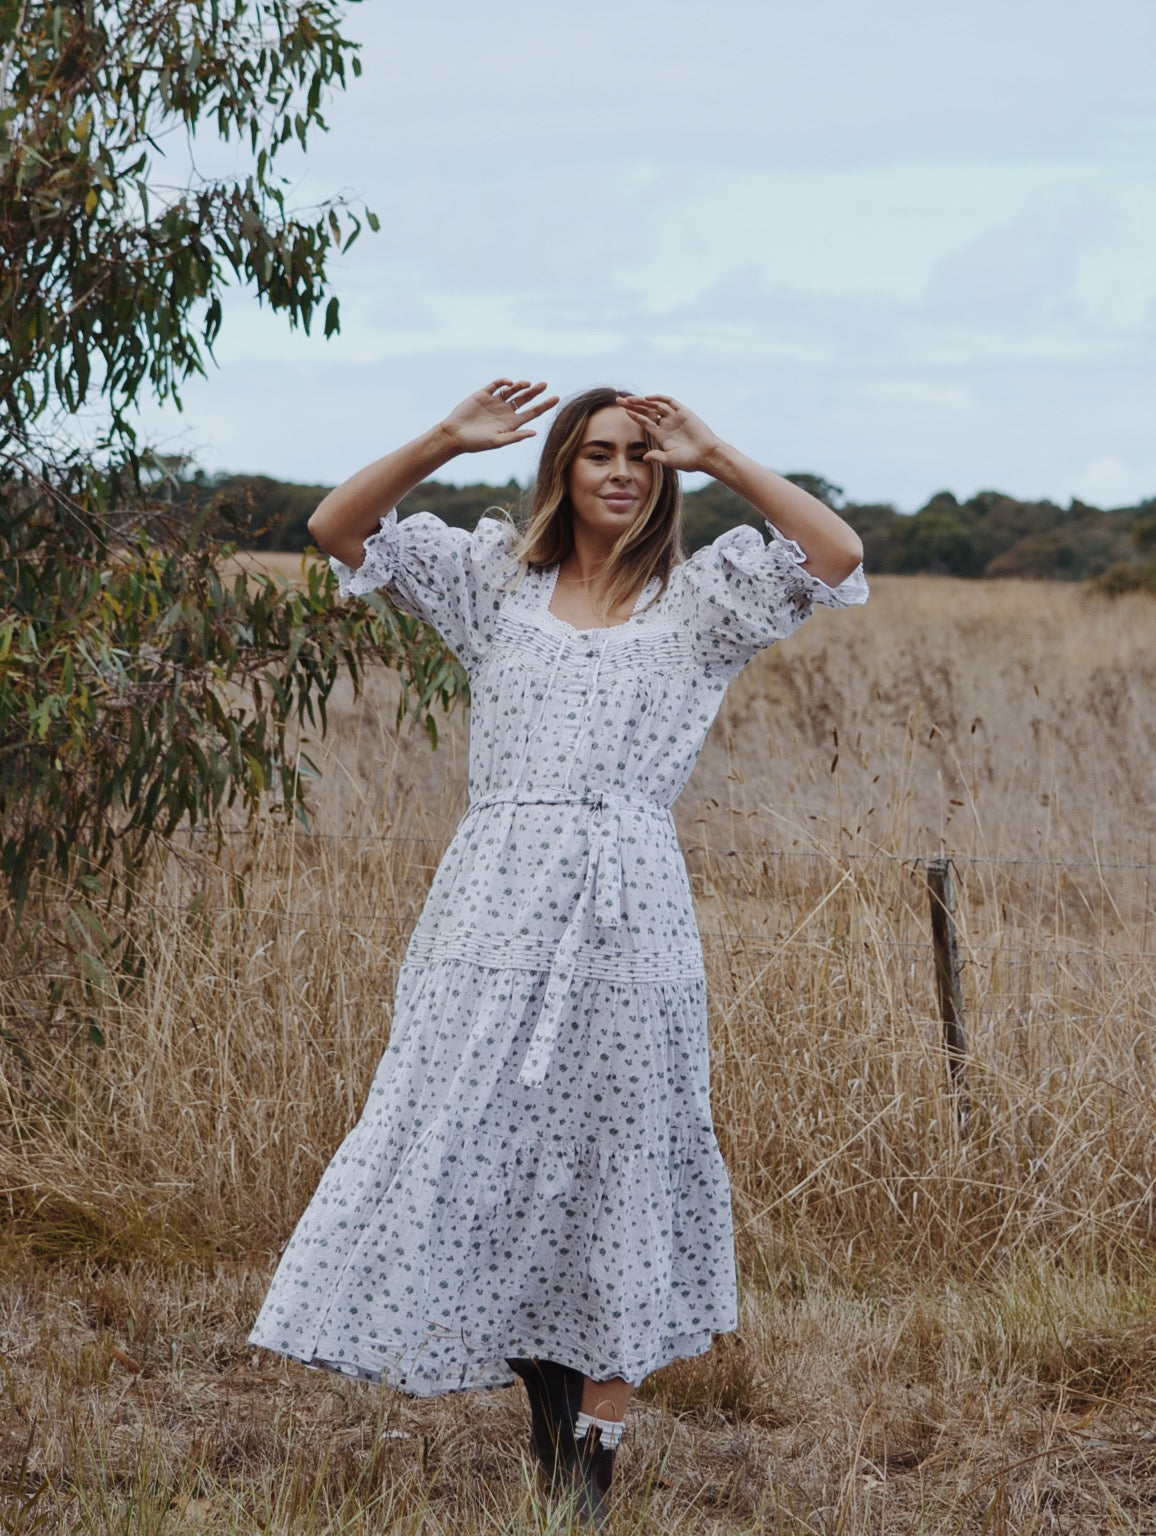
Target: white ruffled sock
x,y
610,1431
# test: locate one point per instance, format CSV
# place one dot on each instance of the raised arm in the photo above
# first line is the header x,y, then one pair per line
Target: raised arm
x,y
832,546
491,417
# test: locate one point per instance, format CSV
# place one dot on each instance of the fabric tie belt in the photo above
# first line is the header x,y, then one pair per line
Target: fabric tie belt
x,y
601,894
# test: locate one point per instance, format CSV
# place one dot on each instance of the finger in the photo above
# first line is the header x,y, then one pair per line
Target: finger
x,y
526,398
656,456
495,385
666,411
527,392
515,437
532,412
504,390
653,411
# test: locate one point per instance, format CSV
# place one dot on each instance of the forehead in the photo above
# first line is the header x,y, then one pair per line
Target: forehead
x,y
611,425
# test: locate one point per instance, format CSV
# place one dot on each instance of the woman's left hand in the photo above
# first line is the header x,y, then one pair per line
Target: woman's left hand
x,y
684,439
832,547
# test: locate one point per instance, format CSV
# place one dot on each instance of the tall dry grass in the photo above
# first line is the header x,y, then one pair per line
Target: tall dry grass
x,y
928,1319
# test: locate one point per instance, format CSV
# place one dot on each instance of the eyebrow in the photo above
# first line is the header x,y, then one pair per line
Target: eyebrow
x,y
599,442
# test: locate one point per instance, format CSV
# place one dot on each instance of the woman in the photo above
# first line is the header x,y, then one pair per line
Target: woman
x,y
535,1185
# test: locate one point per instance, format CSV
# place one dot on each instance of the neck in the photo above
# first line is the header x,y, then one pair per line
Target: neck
x,y
587,561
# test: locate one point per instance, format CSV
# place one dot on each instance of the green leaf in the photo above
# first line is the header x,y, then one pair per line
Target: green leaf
x,y
140,690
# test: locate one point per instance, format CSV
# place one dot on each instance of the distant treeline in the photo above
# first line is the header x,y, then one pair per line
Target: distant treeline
x,y
990,534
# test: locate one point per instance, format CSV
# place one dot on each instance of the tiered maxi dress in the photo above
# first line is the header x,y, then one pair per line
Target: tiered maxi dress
x,y
536,1172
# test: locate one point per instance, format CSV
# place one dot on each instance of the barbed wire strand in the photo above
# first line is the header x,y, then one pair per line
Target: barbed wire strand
x,y
703,850
740,937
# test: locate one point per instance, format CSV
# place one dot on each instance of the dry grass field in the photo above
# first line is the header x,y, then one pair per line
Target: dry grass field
x,y
943,1335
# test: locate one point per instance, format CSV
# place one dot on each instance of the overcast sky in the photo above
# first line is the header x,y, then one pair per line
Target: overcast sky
x,y
905,245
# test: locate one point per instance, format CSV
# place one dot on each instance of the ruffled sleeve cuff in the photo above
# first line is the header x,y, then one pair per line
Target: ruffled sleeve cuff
x,y
851,591
379,565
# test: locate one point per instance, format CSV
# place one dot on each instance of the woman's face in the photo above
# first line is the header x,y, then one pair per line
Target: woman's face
x,y
609,481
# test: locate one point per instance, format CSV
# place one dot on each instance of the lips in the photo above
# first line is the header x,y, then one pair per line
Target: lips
x,y
620,502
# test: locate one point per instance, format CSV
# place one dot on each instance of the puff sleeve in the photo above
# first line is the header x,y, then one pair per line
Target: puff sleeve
x,y
744,592
451,578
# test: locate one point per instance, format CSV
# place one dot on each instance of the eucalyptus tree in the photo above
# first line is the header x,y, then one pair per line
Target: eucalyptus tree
x,y
140,687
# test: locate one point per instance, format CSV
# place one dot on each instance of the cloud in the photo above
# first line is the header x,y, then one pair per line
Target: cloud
x,y
832,82
903,245
1021,273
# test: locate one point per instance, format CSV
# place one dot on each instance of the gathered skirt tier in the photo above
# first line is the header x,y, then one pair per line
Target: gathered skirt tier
x,y
470,1216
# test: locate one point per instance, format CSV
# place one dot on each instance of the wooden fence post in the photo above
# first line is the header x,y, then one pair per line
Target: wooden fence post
x,y
942,898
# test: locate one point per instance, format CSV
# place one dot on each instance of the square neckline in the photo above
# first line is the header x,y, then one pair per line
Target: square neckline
x,y
549,587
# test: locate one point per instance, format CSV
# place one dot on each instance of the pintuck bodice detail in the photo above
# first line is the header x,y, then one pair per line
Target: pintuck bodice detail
x,y
558,939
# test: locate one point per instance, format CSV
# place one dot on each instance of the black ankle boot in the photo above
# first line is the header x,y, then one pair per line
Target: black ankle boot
x,y
555,1393
597,1463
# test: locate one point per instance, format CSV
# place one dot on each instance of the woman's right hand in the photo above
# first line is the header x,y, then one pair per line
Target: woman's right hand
x,y
497,414
492,417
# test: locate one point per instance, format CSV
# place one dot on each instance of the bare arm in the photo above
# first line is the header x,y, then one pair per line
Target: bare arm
x,y
497,414
832,546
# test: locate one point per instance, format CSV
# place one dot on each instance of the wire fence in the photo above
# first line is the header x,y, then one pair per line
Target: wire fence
x,y
866,919
911,860
707,862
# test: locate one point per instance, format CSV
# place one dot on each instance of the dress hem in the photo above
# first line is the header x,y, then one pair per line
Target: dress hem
x,y
684,1347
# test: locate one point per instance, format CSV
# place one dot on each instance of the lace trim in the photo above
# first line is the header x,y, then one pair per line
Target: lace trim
x,y
650,641
610,1431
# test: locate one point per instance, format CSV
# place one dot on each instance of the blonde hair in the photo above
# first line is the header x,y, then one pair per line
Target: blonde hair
x,y
652,545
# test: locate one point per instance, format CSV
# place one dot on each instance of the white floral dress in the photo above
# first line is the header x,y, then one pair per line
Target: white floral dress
x,y
536,1172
